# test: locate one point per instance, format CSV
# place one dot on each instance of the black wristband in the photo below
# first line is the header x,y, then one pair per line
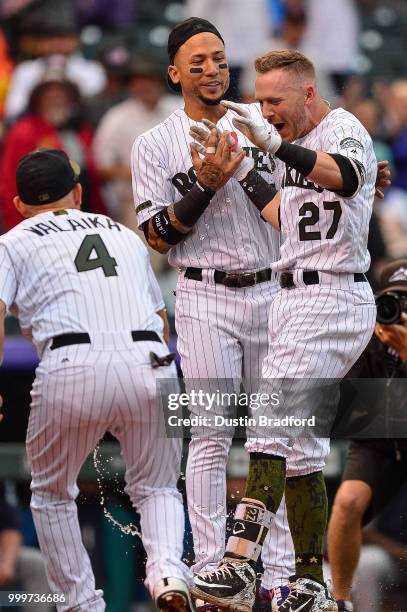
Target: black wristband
x,y
164,229
193,204
297,157
259,191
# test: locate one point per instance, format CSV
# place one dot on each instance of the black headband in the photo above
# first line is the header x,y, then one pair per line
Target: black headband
x,y
183,32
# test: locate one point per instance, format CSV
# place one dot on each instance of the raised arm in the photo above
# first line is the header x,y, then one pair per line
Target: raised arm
x,y
335,171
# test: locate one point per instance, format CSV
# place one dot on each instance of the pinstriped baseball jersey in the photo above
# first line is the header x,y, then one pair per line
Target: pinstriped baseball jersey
x,y
230,235
52,295
320,229
67,272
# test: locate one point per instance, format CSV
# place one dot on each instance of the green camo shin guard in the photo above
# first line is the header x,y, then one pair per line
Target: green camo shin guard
x,y
307,511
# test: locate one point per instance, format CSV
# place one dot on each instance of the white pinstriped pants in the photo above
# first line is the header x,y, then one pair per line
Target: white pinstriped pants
x,y
79,393
316,332
222,334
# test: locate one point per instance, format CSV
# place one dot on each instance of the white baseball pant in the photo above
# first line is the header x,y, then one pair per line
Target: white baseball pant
x,y
222,339
79,393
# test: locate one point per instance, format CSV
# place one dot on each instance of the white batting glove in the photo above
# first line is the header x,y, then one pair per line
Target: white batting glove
x,y
257,134
201,135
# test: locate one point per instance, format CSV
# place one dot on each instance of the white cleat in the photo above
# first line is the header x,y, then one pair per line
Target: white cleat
x,y
172,595
231,586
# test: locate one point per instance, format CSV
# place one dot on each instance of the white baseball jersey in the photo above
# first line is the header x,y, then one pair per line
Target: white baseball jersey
x,y
53,290
68,272
318,331
230,235
320,229
212,341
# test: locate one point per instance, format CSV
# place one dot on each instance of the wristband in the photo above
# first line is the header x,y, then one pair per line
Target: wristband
x,y
193,204
257,189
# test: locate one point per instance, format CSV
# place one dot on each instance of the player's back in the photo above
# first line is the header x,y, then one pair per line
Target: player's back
x,y
79,272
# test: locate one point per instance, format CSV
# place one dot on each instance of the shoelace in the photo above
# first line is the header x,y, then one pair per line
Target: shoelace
x,y
221,572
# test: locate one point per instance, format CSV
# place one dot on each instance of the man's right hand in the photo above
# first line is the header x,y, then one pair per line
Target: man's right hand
x,y
218,165
201,136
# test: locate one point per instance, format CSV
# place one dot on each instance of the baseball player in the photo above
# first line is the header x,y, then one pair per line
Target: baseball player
x,y
223,250
83,289
320,321
225,286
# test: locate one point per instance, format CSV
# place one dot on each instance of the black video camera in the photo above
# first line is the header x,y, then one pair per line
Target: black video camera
x,y
390,306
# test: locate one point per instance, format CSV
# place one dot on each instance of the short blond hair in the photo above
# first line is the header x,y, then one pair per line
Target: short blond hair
x,y
292,61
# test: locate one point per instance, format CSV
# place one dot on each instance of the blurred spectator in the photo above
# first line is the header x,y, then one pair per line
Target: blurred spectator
x,y
396,110
53,120
116,63
382,572
237,20
117,14
58,50
392,215
290,36
332,34
145,106
21,568
6,69
368,112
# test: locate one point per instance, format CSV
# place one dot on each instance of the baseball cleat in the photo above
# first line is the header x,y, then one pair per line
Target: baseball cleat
x,y
306,595
230,587
172,595
344,605
272,598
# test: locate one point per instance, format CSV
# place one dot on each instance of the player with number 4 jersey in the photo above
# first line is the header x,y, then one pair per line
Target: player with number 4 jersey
x,y
83,290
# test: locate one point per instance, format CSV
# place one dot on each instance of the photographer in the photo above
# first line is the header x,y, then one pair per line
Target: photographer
x,y
375,469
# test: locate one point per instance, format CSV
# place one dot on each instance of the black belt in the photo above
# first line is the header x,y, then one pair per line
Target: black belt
x,y
311,277
84,338
232,279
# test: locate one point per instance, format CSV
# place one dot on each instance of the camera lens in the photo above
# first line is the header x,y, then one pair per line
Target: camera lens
x,y
388,309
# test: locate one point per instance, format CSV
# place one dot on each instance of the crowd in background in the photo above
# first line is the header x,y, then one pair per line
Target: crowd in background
x,y
89,77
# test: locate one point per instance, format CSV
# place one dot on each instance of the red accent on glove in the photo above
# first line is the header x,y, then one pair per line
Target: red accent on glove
x,y
234,136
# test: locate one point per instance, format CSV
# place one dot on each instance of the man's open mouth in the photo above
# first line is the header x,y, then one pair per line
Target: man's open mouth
x,y
279,126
